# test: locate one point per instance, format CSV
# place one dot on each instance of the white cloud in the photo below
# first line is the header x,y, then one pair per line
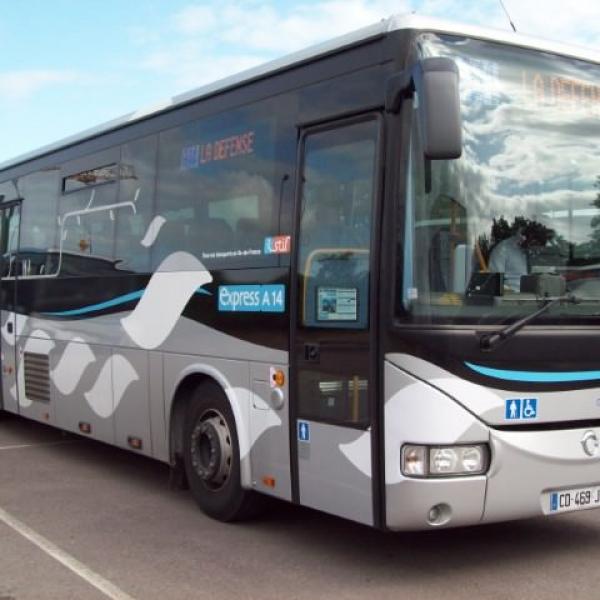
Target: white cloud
x,y
209,42
486,13
19,85
265,27
191,63
141,35
571,22
192,20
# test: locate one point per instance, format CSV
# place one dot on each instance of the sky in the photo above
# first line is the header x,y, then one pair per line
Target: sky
x,y
68,65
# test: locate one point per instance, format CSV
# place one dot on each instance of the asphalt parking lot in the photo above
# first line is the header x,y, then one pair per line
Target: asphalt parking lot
x,y
79,519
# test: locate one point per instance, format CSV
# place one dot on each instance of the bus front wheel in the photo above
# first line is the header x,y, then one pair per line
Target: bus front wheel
x,y
212,456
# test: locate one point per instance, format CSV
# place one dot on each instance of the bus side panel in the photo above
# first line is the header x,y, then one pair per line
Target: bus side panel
x,y
131,400
158,424
263,431
269,414
82,376
9,371
334,465
36,352
106,388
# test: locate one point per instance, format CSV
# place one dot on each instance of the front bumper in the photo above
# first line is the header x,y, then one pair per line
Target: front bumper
x,y
525,464
528,464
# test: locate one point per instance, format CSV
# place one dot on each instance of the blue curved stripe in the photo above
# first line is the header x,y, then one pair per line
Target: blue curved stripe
x,y
84,310
535,376
124,299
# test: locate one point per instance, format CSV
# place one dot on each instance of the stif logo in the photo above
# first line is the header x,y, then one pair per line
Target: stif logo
x,y
279,244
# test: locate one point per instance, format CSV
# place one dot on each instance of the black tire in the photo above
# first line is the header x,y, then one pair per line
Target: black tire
x,y
212,457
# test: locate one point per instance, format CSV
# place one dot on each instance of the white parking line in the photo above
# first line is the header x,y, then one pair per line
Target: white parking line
x,y
105,586
19,446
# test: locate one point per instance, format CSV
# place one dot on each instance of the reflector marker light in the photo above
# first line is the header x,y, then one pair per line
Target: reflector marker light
x,y
135,442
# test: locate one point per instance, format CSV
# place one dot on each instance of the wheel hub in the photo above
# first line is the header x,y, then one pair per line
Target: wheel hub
x,y
212,450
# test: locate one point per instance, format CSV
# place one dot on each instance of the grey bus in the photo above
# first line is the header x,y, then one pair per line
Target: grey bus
x,y
364,278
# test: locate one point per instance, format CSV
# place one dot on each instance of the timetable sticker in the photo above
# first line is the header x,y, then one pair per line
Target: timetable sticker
x,y
337,304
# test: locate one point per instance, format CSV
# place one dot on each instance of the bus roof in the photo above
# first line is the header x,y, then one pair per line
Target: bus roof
x,y
394,23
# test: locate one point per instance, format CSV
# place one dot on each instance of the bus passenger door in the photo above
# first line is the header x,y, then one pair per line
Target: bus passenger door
x,y
10,217
333,342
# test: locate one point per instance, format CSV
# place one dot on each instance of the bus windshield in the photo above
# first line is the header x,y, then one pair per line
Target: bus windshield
x,y
516,219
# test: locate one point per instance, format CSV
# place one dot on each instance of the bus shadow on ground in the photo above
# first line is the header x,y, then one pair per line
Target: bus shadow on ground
x,y
440,552
348,546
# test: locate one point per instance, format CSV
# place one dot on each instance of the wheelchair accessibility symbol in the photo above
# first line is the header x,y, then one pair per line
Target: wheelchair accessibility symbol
x,y
517,409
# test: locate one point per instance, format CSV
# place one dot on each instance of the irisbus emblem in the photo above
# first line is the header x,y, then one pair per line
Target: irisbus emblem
x,y
590,443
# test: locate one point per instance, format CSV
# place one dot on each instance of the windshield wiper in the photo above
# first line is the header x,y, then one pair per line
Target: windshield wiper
x,y
489,341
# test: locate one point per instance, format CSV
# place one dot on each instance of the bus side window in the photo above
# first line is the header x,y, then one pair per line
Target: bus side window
x,y
137,189
9,235
39,233
222,170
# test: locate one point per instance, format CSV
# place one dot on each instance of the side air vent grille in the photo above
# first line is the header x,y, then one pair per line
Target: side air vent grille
x,y
37,376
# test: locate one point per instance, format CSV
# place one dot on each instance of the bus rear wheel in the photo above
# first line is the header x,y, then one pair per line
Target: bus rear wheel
x,y
212,457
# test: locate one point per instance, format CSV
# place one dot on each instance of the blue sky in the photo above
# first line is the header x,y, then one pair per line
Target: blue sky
x,y
67,65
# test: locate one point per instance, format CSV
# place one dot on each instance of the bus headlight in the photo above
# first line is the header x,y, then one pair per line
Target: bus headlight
x,y
444,461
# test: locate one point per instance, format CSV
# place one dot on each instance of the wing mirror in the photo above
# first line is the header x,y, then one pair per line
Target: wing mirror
x,y
435,81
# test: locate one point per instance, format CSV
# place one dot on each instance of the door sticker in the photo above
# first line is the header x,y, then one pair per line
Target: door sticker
x,y
519,409
303,431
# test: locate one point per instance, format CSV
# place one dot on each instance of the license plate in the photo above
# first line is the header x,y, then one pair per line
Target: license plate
x,y
574,499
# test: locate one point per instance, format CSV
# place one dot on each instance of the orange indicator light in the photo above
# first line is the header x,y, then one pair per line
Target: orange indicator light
x,y
279,378
269,481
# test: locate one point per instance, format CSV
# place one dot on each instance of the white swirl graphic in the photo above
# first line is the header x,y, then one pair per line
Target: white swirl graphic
x,y
70,368
358,453
105,396
124,374
262,419
152,231
165,297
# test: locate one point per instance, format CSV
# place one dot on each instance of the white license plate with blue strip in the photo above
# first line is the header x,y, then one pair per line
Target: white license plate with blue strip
x,y
582,498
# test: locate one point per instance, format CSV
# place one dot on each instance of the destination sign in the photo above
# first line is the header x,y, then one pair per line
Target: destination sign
x,y
223,149
557,90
